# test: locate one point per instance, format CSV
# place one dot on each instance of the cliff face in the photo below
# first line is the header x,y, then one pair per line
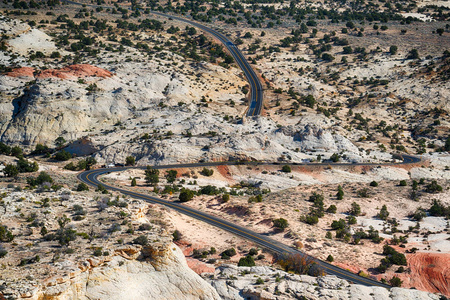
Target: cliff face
x,y
158,271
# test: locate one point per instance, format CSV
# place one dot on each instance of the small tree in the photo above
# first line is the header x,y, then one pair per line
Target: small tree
x,y
433,187
383,214
11,171
340,193
330,258
225,197
60,141
373,183
16,151
133,181
355,210
393,50
171,175
130,161
331,209
62,155
151,175
413,54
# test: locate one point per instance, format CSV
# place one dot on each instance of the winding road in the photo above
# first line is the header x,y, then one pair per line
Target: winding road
x,y
91,177
256,89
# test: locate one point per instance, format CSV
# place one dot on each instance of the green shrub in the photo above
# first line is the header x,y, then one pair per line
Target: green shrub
x,y
130,161
171,175
383,214
433,187
62,155
403,183
280,223
330,258
355,209
145,226
43,177
207,172
395,282
331,209
102,189
247,261
5,235
141,240
374,183
286,169
82,187
253,251
310,219
11,170
186,195
335,157
225,197
338,224
228,253
3,253
340,193
98,252
26,166
176,235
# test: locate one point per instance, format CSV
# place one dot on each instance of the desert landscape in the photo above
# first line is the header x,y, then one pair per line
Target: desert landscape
x,y
348,161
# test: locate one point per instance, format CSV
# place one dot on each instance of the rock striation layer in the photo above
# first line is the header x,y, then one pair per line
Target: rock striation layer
x,y
156,271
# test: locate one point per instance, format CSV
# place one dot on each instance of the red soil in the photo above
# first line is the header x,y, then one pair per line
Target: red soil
x,y
69,72
199,267
21,72
225,172
429,272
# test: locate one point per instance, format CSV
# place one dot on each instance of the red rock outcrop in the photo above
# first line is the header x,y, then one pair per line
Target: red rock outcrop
x,y
199,267
21,72
69,72
429,272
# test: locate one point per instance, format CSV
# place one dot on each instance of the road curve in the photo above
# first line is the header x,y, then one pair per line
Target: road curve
x,y
256,89
91,177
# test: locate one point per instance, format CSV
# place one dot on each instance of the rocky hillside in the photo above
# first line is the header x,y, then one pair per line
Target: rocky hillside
x,y
164,109
65,245
236,283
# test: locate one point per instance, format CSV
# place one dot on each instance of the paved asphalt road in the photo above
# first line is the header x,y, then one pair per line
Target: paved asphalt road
x,y
91,177
256,89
